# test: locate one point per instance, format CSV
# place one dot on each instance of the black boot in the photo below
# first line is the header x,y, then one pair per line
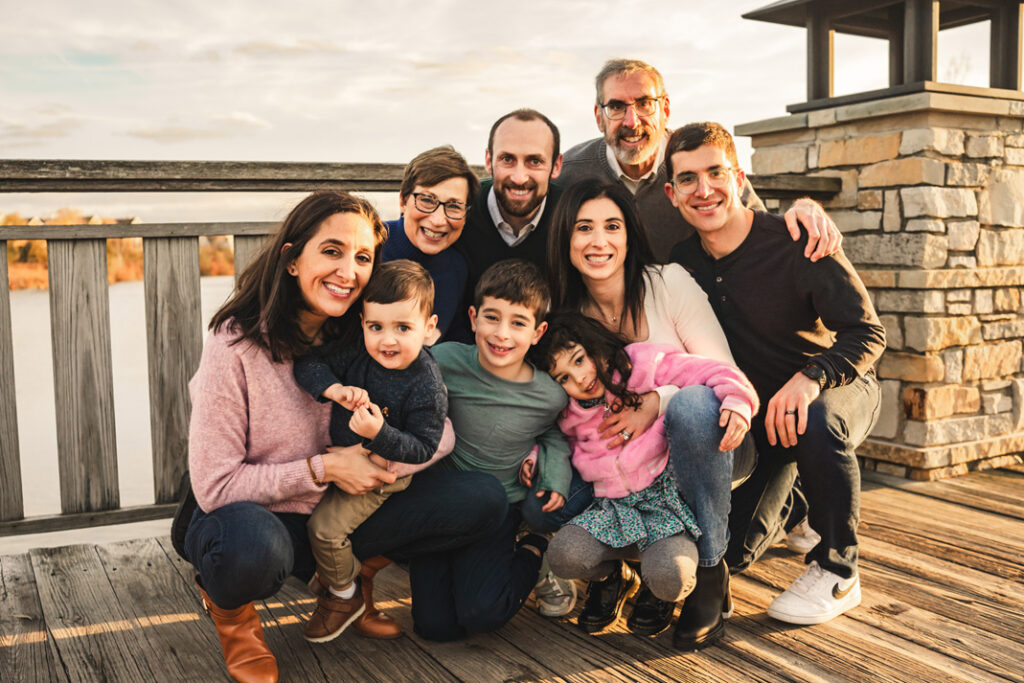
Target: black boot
x,y
702,618
650,615
605,599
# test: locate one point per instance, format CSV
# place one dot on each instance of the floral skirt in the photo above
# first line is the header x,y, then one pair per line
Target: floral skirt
x,y
643,517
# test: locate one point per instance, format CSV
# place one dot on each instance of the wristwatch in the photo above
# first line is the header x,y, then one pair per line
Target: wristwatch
x,y
815,372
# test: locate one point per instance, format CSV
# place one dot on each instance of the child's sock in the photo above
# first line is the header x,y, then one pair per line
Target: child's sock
x,y
344,593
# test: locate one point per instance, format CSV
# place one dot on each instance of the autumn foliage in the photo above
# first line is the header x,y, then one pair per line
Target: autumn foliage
x,y
27,259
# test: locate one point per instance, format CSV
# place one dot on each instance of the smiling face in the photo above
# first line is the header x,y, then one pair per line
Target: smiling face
x,y
576,372
333,268
633,139
708,209
521,164
504,333
597,247
434,232
394,333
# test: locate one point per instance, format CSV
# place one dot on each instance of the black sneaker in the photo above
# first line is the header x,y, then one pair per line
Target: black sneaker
x,y
605,599
650,615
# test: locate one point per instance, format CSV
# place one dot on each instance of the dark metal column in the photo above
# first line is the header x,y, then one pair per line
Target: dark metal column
x,y
920,40
819,54
1005,50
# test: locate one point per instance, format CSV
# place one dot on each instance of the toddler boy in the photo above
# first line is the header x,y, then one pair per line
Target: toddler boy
x,y
389,397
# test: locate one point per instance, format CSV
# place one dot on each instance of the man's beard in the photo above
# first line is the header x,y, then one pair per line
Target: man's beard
x,y
633,156
520,208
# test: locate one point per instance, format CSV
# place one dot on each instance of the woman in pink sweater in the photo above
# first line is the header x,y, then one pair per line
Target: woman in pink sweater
x,y
259,458
637,506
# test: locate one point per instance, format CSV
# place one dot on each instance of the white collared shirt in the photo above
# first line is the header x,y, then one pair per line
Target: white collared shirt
x,y
634,185
504,229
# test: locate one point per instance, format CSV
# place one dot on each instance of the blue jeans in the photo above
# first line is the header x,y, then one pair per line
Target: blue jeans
x,y
244,552
473,589
703,473
824,457
581,494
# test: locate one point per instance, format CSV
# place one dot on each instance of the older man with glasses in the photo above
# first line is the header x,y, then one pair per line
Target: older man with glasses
x,y
632,112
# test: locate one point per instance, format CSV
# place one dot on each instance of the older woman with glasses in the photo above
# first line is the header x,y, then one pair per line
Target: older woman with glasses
x,y
435,193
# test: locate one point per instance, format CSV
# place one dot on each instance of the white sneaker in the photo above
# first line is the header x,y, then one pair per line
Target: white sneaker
x,y
802,538
816,596
555,596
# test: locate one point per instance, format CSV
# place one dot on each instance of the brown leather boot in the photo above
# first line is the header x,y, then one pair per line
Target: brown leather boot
x,y
373,623
246,654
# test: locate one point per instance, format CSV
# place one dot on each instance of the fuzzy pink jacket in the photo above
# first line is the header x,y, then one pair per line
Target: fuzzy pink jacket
x,y
617,473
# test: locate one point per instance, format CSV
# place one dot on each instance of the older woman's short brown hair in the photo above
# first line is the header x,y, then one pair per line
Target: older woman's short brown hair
x,y
436,166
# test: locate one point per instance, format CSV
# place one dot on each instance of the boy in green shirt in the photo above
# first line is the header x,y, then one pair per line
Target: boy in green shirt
x,y
501,408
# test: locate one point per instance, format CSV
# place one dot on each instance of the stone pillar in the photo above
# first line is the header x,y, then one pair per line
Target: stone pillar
x,y
932,212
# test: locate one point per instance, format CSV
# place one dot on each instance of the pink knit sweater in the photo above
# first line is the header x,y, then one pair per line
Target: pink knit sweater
x,y
617,473
252,429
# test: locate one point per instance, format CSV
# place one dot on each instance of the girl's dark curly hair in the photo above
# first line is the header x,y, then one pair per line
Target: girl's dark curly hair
x,y
605,348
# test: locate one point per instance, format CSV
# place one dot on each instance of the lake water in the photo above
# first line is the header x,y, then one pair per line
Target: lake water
x,y
33,376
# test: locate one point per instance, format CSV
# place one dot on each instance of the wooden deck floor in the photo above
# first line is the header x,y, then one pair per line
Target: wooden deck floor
x,y
942,572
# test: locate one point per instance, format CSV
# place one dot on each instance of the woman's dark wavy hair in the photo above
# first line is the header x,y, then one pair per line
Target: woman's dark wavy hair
x,y
605,348
567,288
266,302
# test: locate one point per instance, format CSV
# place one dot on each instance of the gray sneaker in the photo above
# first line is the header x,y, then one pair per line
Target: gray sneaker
x,y
555,596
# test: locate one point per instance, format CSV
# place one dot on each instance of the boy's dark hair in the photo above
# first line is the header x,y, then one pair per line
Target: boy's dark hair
x,y
694,135
398,281
517,281
605,348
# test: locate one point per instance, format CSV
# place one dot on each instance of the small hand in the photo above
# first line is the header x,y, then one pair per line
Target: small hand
x,y
555,502
616,426
349,398
527,470
786,414
735,429
366,421
823,237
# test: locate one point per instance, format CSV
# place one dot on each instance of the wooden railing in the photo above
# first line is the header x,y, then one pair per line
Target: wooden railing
x,y
80,318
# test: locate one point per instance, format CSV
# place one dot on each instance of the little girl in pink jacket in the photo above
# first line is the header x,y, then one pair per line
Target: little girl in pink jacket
x,y
635,497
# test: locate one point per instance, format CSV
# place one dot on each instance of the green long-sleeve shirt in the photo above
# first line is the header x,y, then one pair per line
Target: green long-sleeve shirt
x,y
497,422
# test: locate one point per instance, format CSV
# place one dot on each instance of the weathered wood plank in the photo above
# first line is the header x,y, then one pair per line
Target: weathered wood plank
x,y
92,636
11,503
859,649
979,586
24,652
246,248
144,230
959,490
977,532
391,660
85,520
82,376
484,657
174,344
167,612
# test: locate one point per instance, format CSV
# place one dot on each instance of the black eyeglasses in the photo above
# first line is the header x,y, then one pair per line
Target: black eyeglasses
x,y
645,106
428,203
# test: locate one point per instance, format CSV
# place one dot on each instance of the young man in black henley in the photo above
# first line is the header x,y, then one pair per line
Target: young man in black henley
x,y
807,336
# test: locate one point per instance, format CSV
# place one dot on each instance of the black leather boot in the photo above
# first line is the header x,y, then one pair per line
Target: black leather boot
x,y
650,615
702,618
605,599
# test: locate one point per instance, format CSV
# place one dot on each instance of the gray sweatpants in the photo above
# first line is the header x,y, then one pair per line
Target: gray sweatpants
x,y
668,566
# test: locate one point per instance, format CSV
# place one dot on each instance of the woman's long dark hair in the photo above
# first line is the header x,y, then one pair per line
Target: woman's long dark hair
x,y
605,348
567,288
266,302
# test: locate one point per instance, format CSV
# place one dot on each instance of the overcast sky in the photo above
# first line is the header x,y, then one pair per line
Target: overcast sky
x,y
381,81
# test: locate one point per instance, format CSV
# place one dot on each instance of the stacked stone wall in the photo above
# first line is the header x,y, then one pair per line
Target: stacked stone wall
x,y
932,212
